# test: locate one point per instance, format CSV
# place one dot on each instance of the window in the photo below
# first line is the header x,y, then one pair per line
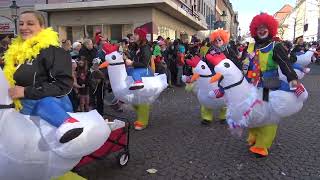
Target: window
x,y
116,32
69,33
199,6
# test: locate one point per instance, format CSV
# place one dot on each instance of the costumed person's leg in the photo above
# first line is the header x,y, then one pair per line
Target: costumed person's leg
x,y
264,137
70,176
223,114
179,75
137,75
143,112
206,115
54,111
168,73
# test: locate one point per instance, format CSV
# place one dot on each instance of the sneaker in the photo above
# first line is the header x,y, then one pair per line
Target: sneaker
x,y
137,85
306,70
259,152
139,126
205,122
69,130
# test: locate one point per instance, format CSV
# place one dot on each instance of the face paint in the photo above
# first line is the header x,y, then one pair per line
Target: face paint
x,y
262,32
218,42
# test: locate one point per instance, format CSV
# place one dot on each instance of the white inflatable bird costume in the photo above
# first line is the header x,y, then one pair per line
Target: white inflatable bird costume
x,y
120,83
245,107
29,149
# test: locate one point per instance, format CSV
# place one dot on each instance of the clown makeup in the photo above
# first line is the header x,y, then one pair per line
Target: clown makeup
x,y
218,42
262,32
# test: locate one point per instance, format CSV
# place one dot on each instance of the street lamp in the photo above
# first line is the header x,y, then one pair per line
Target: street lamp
x,y
239,37
223,18
14,14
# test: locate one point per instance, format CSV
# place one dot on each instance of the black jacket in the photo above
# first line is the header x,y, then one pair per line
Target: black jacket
x,y
280,56
49,74
142,57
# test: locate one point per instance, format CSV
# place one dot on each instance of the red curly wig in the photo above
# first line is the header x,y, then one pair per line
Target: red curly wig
x,y
224,35
264,19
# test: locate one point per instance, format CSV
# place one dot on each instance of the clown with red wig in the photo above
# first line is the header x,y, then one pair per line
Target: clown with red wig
x,y
261,69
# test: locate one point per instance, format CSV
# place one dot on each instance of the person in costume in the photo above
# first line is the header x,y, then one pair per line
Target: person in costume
x,y
219,44
140,61
40,75
220,39
261,69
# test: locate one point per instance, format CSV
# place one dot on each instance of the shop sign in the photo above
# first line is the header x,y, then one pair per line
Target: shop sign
x,y
6,25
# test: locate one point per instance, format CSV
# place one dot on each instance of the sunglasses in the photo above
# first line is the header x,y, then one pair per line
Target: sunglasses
x,y
218,39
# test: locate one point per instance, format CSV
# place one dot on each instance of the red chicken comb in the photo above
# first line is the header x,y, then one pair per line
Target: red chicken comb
x,y
110,48
193,62
216,58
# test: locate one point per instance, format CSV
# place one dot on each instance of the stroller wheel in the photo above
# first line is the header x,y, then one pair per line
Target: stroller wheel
x,y
123,158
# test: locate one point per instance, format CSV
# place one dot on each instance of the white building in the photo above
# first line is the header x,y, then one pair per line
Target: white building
x,y
303,21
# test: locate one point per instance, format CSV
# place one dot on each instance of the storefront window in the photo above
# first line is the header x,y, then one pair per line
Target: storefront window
x,y
116,33
166,32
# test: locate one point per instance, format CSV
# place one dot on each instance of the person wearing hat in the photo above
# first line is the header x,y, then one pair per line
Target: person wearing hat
x,y
261,69
140,63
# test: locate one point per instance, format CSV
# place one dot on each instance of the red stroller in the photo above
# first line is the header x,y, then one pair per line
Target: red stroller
x,y
118,141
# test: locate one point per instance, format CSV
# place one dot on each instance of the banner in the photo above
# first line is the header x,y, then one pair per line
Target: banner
x,y
6,25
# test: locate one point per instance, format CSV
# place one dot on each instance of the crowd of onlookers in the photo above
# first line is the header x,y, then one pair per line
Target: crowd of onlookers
x,y
168,57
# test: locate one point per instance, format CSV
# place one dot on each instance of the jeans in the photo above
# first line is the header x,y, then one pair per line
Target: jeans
x,y
51,109
138,73
297,66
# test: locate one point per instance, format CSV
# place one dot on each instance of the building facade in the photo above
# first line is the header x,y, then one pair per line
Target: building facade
x,y
226,18
78,19
303,21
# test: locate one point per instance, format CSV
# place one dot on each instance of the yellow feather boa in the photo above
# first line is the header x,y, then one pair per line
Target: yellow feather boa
x,y
20,52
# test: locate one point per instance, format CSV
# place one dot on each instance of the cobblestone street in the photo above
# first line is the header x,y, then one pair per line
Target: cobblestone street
x,y
179,147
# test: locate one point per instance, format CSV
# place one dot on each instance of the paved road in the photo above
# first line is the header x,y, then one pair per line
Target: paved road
x,y
180,148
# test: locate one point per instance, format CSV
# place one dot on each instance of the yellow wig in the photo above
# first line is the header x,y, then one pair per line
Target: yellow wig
x,y
224,35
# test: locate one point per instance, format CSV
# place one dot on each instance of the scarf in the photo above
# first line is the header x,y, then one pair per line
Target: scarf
x,y
22,51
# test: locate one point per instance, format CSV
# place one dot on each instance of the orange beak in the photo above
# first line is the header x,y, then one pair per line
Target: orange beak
x,y
216,77
104,65
194,77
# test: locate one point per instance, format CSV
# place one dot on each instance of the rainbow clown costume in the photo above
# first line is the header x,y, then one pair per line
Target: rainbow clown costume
x,y
259,99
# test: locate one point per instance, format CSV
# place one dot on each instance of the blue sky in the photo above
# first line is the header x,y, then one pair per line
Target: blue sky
x,y
247,9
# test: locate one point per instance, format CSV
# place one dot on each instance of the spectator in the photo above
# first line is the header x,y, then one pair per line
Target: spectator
x,y
130,37
180,63
300,47
74,94
66,45
3,47
204,48
83,81
88,51
97,86
76,46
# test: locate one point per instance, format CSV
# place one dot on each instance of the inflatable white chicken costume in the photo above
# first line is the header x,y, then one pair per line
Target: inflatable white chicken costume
x,y
29,149
202,75
141,99
245,107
